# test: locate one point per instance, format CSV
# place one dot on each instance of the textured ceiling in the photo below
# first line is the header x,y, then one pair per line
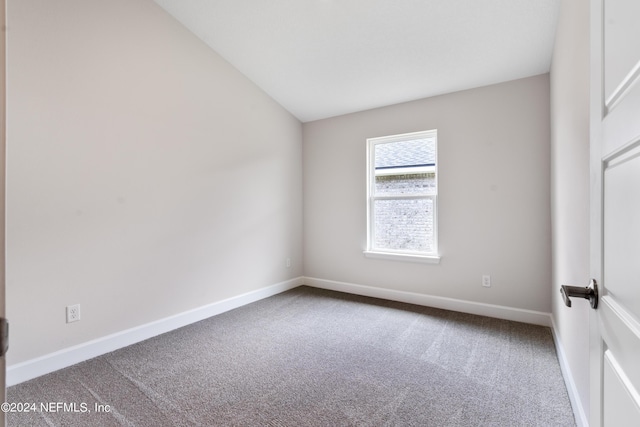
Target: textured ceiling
x,y
323,58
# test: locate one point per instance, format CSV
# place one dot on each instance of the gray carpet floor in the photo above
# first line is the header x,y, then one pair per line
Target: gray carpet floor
x,y
311,357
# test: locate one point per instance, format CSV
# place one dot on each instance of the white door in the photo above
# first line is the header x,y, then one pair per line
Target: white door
x,y
615,212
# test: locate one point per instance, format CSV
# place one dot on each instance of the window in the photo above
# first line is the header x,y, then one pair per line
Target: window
x,y
402,191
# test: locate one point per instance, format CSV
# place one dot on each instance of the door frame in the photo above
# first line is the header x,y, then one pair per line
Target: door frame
x,y
595,209
3,133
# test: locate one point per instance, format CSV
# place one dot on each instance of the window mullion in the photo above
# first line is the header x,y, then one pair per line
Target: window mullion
x,y
403,196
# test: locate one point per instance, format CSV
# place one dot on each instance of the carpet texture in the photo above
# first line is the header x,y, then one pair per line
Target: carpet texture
x,y
311,357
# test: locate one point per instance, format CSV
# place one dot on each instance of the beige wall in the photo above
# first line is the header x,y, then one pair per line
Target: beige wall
x,y
493,160
570,186
146,176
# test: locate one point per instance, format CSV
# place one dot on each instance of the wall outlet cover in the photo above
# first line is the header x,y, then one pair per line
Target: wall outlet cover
x,y
486,281
73,313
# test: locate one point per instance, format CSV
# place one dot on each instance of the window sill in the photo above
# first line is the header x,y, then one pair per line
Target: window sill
x,y
426,259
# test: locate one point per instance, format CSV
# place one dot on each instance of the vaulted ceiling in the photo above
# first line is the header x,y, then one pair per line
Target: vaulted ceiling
x,y
323,58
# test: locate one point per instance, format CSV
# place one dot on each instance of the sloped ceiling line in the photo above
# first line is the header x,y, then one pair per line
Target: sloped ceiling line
x,y
323,58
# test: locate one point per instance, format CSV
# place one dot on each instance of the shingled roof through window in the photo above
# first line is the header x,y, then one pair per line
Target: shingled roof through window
x,y
417,152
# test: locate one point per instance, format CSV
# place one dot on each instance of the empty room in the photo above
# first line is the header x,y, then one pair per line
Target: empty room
x,y
321,212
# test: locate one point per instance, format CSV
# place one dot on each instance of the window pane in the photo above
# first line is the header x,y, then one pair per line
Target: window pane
x,y
416,152
419,183
403,224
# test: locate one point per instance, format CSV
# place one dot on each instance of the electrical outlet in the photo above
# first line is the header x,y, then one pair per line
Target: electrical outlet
x,y
288,262
73,313
486,281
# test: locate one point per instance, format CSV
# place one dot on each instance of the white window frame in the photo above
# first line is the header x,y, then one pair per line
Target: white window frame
x,y
391,254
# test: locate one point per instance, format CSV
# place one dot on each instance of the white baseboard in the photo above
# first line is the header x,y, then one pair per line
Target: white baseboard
x,y
582,420
482,309
33,368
